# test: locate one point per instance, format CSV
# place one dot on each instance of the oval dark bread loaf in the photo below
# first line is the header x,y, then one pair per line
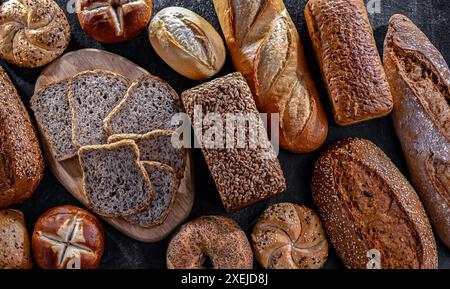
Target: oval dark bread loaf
x,y
420,82
366,204
21,162
266,48
216,238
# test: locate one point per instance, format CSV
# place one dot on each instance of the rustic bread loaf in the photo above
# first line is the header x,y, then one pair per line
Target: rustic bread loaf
x,y
289,236
32,32
115,182
244,173
14,241
265,47
113,21
368,207
67,237
420,84
21,162
165,183
92,96
52,112
351,67
149,104
216,238
158,146
187,43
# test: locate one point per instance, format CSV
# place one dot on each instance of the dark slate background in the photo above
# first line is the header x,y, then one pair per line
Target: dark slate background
x,y
432,16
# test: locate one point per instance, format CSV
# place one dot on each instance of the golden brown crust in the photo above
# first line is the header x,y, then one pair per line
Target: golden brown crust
x,y
64,234
218,238
289,236
21,161
420,84
351,66
113,21
365,203
15,250
266,49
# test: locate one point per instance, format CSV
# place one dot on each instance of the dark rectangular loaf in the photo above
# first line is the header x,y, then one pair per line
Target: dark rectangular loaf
x,y
420,83
351,66
242,175
368,208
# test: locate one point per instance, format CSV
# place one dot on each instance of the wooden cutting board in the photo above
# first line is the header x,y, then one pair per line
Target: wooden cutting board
x,y
69,172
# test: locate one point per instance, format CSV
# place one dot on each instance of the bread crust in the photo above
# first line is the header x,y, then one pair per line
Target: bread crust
x,y
64,233
113,21
373,211
350,64
266,48
420,83
21,161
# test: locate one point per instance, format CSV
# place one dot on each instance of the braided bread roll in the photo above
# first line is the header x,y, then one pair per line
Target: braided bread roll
x,y
32,32
289,236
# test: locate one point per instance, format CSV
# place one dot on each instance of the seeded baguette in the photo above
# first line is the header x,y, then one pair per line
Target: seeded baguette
x,y
52,112
125,190
420,83
365,203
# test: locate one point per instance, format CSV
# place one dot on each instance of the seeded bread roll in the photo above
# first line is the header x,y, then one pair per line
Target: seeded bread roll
x,y
32,32
351,67
219,239
187,43
68,237
368,206
21,161
246,174
420,83
265,47
92,96
113,21
15,250
289,236
52,112
115,182
149,104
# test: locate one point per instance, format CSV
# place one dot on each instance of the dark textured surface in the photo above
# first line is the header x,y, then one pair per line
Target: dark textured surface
x,y
432,16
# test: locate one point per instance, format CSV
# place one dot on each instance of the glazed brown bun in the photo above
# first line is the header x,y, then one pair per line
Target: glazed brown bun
x,y
68,237
371,213
265,47
14,241
21,161
219,239
113,21
289,236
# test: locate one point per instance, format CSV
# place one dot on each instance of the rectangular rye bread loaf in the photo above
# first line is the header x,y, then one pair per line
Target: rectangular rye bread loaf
x,y
371,213
420,83
243,176
351,67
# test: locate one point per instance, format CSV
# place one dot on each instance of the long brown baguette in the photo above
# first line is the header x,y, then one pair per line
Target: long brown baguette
x,y
21,162
371,213
266,49
351,67
420,82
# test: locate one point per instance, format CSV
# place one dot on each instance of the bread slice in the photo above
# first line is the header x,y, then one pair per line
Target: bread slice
x,y
51,110
158,146
149,104
115,182
165,184
92,96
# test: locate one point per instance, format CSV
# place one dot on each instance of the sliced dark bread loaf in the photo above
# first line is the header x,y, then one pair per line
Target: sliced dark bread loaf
x,y
160,146
92,97
51,109
115,182
165,184
150,104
